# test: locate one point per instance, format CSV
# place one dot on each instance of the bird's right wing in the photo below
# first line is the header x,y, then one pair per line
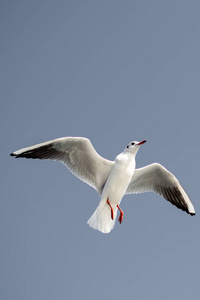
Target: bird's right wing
x,y
156,178
78,154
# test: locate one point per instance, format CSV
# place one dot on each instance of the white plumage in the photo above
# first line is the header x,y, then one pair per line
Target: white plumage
x,y
111,179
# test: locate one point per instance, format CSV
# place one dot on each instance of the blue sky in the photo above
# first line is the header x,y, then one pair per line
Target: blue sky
x,y
112,71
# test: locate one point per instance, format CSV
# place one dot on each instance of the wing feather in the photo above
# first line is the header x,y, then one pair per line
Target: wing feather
x,y
156,178
79,156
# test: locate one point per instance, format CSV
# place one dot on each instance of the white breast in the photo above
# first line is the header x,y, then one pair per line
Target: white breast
x,y
119,178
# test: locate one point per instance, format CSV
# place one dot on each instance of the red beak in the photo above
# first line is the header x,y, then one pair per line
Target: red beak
x,y
142,142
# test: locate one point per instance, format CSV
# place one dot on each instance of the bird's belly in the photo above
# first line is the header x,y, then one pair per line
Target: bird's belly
x,y
116,187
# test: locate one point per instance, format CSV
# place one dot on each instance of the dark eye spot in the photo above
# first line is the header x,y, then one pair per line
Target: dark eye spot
x,y
132,143
127,146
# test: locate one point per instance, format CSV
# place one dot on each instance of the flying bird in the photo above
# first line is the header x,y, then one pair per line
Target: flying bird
x,y
111,179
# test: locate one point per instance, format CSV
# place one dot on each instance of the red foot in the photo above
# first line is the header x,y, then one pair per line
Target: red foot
x,y
112,212
121,214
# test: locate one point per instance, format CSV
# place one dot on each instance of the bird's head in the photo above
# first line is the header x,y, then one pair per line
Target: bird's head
x,y
134,146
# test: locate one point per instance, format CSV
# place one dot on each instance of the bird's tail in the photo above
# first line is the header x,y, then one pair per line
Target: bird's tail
x,y
101,218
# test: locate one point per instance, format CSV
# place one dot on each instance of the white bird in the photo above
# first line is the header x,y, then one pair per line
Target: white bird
x,y
111,179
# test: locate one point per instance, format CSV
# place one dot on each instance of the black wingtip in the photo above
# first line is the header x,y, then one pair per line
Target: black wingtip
x,y
192,214
12,154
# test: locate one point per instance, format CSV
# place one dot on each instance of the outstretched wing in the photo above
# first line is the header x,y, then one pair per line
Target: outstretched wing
x,y
156,178
78,154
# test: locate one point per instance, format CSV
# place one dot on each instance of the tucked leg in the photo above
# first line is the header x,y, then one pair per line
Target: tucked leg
x,y
121,214
112,211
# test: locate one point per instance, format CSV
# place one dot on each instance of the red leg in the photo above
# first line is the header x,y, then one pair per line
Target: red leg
x,y
112,212
121,214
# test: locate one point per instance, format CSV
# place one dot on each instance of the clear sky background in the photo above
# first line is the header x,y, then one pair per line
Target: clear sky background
x,y
112,71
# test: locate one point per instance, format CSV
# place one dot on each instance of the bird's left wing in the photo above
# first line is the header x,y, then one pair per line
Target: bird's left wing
x,y
156,178
79,156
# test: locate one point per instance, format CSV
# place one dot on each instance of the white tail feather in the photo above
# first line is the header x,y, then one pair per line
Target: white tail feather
x,y
101,218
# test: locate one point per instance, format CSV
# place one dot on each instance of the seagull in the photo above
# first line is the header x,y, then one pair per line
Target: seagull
x,y
111,179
